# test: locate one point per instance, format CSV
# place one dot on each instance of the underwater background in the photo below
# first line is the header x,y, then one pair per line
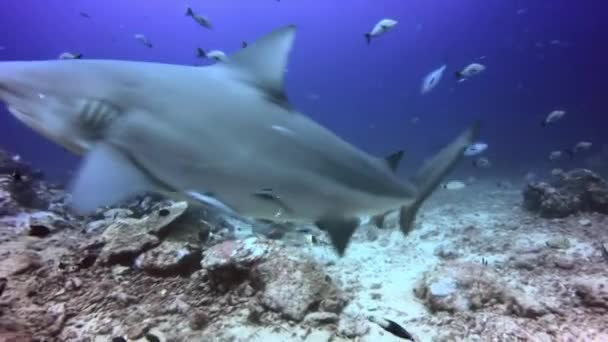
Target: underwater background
x,y
540,56
515,250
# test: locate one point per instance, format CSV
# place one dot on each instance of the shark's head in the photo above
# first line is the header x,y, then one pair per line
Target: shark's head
x,y
58,100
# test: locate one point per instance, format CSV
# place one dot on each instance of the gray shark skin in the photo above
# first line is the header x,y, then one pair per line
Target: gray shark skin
x,y
223,134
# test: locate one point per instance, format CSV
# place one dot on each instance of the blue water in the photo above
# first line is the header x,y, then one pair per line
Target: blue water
x,y
366,94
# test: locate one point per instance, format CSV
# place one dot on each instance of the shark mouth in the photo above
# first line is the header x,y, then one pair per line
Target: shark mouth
x,y
39,112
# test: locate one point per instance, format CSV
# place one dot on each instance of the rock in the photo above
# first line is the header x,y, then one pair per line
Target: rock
x,y
128,237
237,254
292,287
558,243
575,191
198,320
353,326
123,298
523,305
592,293
564,263
286,282
585,222
18,263
96,226
316,319
117,213
461,287
170,258
43,223
447,253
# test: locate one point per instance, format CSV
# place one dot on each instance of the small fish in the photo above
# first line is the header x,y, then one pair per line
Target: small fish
x,y
415,120
216,55
475,149
85,15
16,158
432,79
143,39
553,117
555,155
380,28
69,55
581,146
482,163
470,71
392,328
201,20
454,185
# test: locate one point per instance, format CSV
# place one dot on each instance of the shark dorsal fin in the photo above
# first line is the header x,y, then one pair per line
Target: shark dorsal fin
x,y
393,160
263,62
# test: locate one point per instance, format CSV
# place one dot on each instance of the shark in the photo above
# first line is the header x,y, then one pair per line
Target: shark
x,y
225,135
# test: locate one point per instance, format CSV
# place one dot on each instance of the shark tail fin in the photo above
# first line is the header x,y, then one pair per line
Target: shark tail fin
x,y
368,37
189,12
432,172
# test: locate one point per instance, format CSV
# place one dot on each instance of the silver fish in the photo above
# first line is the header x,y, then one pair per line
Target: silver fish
x,y
211,131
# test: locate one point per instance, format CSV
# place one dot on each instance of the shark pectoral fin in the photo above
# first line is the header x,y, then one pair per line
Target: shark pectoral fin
x,y
394,159
433,171
340,230
380,219
264,62
105,177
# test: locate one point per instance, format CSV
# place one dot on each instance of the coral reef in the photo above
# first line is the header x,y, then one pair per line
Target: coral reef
x,y
574,191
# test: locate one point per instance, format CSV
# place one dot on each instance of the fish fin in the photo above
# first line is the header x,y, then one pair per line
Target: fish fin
x,y
105,177
264,62
394,159
378,220
340,230
200,53
243,44
78,56
189,11
458,75
431,173
368,38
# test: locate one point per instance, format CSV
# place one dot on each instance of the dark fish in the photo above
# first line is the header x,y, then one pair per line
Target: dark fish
x,y
244,44
85,15
393,328
204,22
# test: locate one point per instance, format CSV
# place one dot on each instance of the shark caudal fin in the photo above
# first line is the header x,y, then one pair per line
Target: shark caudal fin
x,y
433,171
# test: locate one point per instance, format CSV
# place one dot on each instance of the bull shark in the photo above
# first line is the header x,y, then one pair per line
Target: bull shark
x,y
223,134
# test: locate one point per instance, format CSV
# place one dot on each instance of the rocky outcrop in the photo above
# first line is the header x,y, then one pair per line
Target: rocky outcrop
x,y
284,281
574,191
466,287
126,238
